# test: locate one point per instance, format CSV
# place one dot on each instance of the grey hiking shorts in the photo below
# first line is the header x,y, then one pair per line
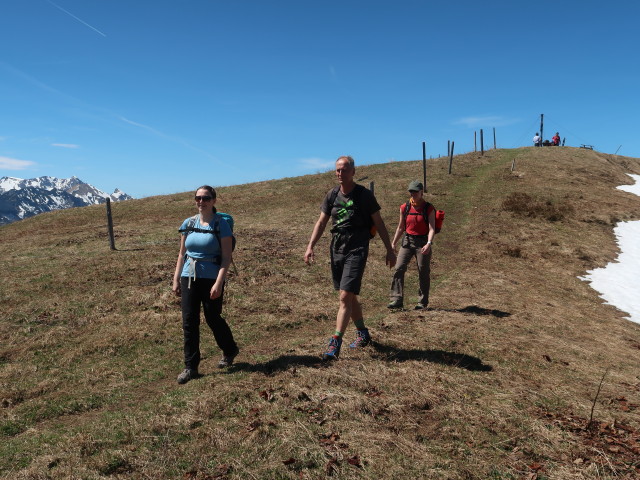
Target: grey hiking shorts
x,y
347,268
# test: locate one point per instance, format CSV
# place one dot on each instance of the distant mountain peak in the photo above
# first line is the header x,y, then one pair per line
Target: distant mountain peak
x,y
22,198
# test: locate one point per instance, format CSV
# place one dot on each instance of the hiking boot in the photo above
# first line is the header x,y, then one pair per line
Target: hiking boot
x,y
186,375
227,360
333,352
395,304
420,306
362,339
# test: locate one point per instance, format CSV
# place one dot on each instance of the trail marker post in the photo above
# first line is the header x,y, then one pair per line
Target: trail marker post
x,y
481,142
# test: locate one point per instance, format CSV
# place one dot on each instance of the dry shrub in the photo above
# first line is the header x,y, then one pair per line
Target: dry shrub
x,y
527,206
515,252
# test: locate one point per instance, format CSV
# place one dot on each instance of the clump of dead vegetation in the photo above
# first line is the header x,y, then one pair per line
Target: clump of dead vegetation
x,y
525,205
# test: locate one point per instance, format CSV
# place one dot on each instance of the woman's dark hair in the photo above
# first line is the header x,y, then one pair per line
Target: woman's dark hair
x,y
211,191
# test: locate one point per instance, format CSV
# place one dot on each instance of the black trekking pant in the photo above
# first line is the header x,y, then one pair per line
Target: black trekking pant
x,y
192,298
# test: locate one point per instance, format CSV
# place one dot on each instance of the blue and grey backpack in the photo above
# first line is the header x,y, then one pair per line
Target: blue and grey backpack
x,y
216,227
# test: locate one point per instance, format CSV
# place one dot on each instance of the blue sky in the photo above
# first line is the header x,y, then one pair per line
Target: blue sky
x,y
157,97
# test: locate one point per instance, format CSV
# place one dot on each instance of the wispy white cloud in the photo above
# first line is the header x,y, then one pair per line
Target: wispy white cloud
x,y
165,136
65,145
29,79
332,72
76,18
486,121
317,163
146,127
101,112
7,163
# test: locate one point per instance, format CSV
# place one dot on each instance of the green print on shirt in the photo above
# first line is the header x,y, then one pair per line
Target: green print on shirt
x,y
342,214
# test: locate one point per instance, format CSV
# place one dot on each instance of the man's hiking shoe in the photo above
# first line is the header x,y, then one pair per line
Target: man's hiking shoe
x,y
186,375
420,306
333,352
227,360
395,304
362,339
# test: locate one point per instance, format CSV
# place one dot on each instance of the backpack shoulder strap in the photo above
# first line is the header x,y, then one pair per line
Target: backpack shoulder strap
x,y
216,228
358,192
428,207
333,196
190,225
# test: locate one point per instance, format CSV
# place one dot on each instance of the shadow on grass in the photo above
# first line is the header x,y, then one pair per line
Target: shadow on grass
x,y
279,364
476,310
472,309
460,360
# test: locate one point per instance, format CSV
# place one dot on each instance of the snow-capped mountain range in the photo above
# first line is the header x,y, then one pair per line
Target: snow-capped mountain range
x,y
21,198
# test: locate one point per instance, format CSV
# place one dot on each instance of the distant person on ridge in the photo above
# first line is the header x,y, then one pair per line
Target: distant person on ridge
x,y
201,271
353,210
417,223
556,139
537,140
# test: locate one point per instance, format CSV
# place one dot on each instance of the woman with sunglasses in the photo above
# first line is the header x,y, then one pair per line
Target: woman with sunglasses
x,y
201,270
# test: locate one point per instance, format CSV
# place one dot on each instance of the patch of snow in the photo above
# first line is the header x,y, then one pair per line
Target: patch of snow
x,y
9,183
619,282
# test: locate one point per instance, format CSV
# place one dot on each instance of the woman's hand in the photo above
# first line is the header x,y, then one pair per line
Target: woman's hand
x,y
176,287
426,249
216,290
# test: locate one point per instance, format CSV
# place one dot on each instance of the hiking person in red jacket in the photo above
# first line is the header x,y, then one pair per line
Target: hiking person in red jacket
x,y
417,222
353,210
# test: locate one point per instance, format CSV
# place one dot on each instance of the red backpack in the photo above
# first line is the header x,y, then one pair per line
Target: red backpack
x,y
425,215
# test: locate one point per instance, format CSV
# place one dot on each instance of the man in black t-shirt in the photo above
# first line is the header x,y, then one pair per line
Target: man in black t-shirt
x,y
352,209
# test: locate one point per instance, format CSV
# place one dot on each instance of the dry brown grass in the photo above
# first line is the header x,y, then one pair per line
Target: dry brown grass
x,y
496,381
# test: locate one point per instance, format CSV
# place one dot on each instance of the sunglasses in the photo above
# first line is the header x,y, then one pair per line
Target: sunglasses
x,y
203,198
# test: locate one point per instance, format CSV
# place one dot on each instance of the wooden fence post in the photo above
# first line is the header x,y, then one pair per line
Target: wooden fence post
x,y
451,156
112,241
481,142
475,141
372,187
424,164
494,138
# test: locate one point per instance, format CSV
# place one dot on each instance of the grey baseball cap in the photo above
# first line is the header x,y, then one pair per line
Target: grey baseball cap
x,y
415,185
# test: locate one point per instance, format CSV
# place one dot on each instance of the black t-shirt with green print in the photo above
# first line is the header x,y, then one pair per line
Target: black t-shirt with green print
x,y
350,215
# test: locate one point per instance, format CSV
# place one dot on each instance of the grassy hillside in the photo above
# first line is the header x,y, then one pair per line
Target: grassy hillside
x,y
496,381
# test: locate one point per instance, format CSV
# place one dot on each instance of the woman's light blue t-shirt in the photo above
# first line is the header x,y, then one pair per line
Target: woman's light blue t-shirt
x,y
204,246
